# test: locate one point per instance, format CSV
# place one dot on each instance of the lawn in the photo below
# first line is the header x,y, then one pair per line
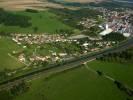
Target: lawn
x,y
43,20
122,72
78,84
7,46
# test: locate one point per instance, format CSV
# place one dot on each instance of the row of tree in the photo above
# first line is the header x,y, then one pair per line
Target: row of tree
x,y
14,91
123,56
114,36
124,88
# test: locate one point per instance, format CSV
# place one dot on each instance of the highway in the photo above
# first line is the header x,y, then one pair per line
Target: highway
x,y
59,67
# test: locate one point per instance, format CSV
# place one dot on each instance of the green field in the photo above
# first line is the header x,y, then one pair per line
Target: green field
x,y
6,47
122,72
78,84
43,20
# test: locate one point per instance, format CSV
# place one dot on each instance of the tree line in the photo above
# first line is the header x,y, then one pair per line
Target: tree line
x,y
114,36
14,91
121,57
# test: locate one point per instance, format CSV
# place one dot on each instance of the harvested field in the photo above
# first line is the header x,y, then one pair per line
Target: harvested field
x,y
36,4
24,4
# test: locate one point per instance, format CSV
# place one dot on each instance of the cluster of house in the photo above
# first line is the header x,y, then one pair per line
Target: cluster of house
x,y
98,45
37,38
93,44
89,45
35,58
22,57
87,22
118,21
105,44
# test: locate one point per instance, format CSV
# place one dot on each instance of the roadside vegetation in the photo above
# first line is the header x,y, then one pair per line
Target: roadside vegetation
x,y
125,56
16,90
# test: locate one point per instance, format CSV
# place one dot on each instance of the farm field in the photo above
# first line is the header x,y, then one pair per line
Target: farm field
x,y
121,72
41,38
77,84
44,21
6,61
24,4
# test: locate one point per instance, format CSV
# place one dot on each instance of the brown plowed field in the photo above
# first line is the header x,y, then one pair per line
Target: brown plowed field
x,y
24,4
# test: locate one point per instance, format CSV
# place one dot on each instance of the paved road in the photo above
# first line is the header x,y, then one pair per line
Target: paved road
x,y
73,63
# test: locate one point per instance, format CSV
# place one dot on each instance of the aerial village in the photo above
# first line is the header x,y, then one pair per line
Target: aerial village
x,y
118,21
76,44
82,45
114,21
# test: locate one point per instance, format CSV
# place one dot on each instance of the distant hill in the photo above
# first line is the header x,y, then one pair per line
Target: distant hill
x,y
124,1
115,4
83,1
96,3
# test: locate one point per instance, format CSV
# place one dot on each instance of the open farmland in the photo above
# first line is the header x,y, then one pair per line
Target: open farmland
x,y
24,4
6,61
121,72
77,84
49,51
44,21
